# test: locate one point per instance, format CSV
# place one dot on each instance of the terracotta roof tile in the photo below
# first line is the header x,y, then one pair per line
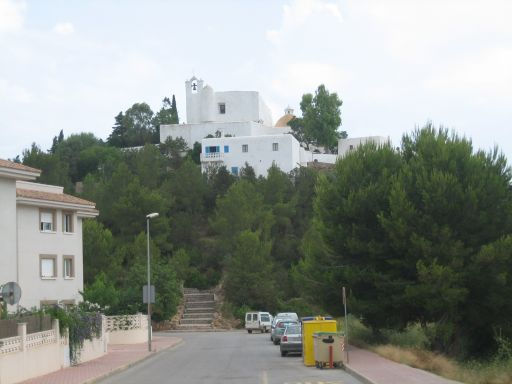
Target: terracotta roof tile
x,y
21,167
58,197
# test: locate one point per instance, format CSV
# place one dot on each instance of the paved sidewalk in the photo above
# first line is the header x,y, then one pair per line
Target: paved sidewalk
x,y
374,369
119,357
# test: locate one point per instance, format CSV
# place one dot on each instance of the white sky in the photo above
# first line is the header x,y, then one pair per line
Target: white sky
x,y
73,65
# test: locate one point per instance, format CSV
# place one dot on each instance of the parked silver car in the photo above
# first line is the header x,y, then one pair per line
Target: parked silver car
x,y
291,341
278,331
283,316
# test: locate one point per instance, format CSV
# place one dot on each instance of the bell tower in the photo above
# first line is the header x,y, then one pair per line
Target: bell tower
x,y
194,90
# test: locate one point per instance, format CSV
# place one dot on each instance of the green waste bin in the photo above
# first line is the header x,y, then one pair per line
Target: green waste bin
x,y
329,349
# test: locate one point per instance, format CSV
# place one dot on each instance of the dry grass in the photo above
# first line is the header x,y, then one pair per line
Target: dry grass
x,y
471,373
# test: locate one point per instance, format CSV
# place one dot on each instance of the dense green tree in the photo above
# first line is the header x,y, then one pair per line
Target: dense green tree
x,y
406,232
118,137
134,128
320,119
56,141
241,209
174,150
98,254
195,153
247,173
445,205
54,171
69,151
348,206
103,292
168,114
249,273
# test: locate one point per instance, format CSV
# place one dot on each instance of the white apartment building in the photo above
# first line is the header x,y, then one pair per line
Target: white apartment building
x,y
261,152
347,145
41,235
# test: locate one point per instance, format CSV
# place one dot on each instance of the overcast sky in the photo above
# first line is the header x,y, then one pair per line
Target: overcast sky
x,y
396,64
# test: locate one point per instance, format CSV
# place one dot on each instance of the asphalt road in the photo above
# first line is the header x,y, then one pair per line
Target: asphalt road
x,y
226,357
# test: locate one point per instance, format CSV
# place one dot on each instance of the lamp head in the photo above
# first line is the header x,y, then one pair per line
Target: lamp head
x,y
152,215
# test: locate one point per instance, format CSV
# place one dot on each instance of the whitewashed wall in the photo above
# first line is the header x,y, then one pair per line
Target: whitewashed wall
x,y
32,243
344,145
8,230
260,154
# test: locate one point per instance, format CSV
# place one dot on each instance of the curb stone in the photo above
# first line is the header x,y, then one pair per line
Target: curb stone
x,y
358,376
129,365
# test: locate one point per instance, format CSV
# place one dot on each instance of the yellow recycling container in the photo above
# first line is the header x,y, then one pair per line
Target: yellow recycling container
x,y
317,324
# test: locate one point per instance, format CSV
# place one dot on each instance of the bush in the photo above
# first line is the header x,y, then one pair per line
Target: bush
x,y
79,325
299,306
239,313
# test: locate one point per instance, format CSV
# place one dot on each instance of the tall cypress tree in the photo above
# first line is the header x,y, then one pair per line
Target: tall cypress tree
x,y
174,111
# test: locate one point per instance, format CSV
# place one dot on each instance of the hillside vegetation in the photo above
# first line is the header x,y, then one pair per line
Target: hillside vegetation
x,y
420,234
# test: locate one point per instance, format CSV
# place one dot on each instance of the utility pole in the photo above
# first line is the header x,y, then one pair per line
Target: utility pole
x,y
346,321
148,217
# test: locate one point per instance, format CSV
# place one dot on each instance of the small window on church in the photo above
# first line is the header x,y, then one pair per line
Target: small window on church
x,y
222,108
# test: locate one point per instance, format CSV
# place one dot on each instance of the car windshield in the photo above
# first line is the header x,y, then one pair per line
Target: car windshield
x,y
293,330
285,324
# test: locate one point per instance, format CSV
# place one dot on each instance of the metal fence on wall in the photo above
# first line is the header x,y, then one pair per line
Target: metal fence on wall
x,y
35,323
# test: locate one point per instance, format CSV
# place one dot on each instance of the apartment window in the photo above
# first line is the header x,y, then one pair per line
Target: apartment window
x,y
212,149
275,147
48,266
226,149
67,222
234,171
351,147
69,267
222,108
245,148
67,304
46,221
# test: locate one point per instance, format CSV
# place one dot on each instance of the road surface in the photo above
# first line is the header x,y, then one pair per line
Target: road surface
x,y
226,357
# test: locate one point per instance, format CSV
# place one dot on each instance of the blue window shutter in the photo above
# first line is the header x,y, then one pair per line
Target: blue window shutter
x,y
234,171
218,148
207,149
226,149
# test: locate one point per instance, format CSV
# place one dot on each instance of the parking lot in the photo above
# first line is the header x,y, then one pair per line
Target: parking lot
x,y
227,357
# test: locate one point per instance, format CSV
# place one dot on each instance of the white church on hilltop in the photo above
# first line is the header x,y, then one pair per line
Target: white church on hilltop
x,y
235,128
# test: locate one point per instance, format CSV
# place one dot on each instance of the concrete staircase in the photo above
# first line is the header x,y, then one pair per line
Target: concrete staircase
x,y
199,310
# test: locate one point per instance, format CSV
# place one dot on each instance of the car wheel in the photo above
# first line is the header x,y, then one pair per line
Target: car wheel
x,y
276,342
249,330
284,353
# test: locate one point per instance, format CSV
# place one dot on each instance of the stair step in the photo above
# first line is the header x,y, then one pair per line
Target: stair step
x,y
200,304
198,315
198,299
196,321
193,327
199,309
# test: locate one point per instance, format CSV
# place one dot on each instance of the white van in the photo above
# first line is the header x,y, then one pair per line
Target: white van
x,y
266,321
257,321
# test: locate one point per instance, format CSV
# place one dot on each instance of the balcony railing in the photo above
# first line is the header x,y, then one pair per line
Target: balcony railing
x,y
212,156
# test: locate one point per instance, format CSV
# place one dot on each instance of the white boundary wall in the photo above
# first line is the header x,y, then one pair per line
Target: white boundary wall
x,y
27,356
129,329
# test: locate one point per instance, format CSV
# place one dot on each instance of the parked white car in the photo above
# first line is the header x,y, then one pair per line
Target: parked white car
x,y
257,321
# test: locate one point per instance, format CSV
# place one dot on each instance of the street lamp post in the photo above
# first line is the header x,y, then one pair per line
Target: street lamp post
x,y
148,217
